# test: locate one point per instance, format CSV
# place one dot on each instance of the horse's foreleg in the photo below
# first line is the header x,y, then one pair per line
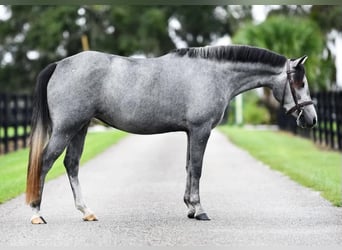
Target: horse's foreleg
x,y
191,209
197,144
71,162
53,150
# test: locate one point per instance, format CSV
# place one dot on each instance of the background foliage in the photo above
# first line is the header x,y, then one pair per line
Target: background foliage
x,y
299,37
34,36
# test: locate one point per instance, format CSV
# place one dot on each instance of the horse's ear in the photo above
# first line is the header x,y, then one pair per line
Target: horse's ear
x,y
299,61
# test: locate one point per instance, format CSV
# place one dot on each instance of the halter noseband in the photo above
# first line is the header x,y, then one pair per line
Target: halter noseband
x,y
298,106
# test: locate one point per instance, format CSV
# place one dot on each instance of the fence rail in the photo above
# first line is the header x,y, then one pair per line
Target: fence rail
x,y
328,132
15,116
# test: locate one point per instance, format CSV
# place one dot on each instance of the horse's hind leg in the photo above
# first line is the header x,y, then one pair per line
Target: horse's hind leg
x,y
53,150
71,162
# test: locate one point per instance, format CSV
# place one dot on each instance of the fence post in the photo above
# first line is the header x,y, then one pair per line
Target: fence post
x,y
326,122
314,130
26,118
14,124
5,124
338,103
2,113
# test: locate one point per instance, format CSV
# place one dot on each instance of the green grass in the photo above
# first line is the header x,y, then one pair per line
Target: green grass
x,y
11,130
13,166
298,158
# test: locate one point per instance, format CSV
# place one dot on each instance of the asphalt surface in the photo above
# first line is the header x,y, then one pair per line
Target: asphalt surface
x,y
136,190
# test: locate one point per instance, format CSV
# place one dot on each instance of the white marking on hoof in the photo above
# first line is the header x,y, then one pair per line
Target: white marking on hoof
x,y
90,217
37,219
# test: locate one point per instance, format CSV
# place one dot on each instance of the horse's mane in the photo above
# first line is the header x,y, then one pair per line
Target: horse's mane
x,y
234,53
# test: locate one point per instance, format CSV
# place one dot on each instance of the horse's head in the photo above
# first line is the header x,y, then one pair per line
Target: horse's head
x,y
294,94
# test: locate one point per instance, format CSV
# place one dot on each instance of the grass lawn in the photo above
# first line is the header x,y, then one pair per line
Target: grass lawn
x,y
298,158
13,166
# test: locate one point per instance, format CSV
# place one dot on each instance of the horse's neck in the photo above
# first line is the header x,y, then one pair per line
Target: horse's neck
x,y
246,76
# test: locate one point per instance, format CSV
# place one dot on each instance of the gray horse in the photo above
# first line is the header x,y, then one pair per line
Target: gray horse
x,y
185,90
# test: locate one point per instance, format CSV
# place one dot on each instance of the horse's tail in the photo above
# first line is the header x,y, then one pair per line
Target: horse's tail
x,y
40,129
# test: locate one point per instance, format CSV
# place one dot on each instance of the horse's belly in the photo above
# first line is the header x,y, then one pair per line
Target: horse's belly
x,y
145,122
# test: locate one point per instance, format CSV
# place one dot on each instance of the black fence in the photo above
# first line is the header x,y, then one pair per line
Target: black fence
x,y
328,132
15,117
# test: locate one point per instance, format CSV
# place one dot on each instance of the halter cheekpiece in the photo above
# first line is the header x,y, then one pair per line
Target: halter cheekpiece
x,y
298,106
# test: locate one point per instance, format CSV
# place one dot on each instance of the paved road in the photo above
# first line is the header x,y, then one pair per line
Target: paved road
x,y
136,189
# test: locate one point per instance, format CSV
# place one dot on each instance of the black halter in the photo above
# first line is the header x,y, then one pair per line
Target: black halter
x,y
298,106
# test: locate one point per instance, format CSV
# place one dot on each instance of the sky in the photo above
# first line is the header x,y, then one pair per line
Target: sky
x,y
259,13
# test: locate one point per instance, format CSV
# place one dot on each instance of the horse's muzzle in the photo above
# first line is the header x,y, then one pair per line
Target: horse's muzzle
x,y
304,122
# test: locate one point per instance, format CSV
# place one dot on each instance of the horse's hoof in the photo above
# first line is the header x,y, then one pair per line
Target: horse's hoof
x,y
38,220
90,217
203,216
191,214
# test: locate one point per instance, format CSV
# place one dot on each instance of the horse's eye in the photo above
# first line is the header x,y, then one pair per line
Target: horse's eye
x,y
299,85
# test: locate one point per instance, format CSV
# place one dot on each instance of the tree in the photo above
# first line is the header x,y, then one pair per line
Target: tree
x,y
328,17
34,36
201,25
291,38
51,33
33,29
